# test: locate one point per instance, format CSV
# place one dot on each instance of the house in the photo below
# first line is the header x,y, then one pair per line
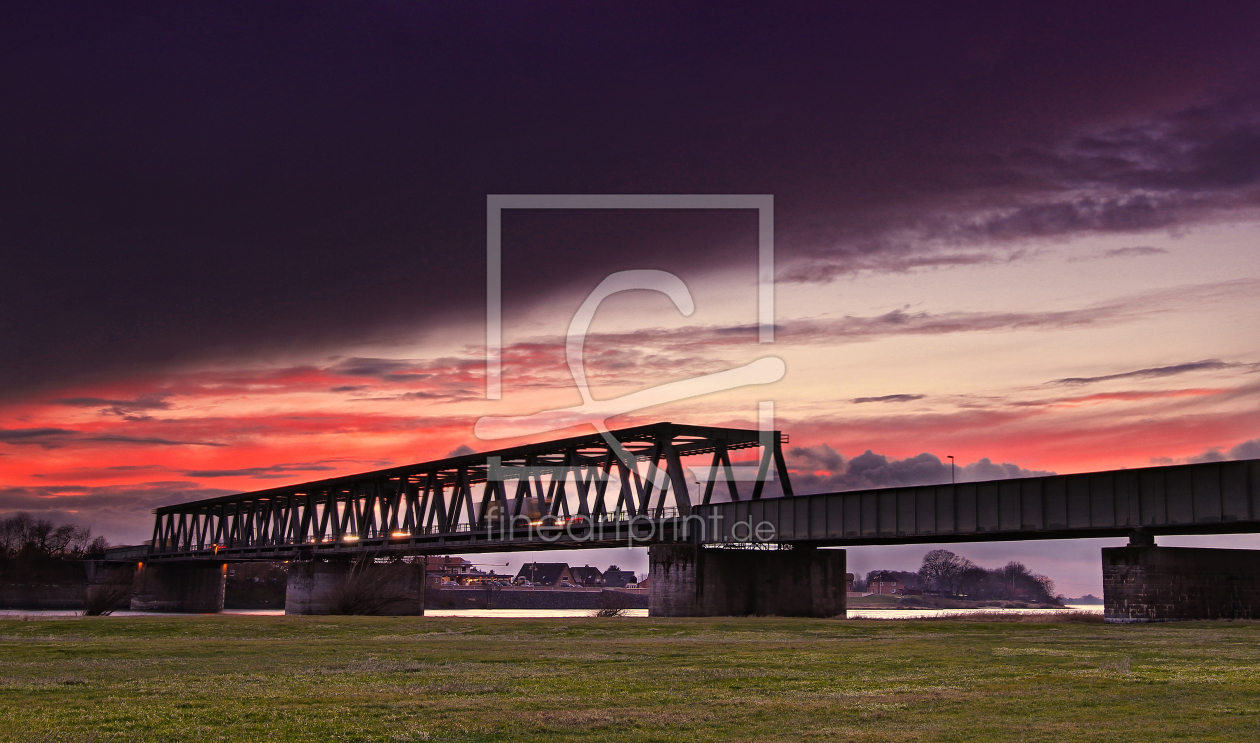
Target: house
x,y
884,583
615,577
447,565
546,573
587,576
447,570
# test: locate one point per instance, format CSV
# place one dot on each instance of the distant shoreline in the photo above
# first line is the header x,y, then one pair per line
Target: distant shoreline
x,y
909,603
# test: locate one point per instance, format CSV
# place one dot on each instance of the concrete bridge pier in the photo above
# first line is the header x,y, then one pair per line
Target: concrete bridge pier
x,y
342,587
190,587
312,585
691,581
1145,583
110,585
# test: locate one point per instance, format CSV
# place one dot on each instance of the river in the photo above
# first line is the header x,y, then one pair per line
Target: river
x,y
559,613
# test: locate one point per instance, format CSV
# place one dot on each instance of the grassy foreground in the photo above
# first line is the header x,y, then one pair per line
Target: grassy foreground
x,y
412,679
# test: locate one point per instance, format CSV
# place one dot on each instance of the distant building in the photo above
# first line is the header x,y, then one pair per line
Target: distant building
x,y
615,577
884,583
848,582
587,576
546,573
447,569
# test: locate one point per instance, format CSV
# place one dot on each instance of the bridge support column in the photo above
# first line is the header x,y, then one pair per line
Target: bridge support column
x,y
1166,584
689,581
313,585
110,586
190,587
345,588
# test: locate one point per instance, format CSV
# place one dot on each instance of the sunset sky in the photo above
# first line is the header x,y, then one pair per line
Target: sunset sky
x,y
246,245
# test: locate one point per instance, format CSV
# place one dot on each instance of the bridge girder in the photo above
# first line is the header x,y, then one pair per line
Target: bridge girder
x,y
450,504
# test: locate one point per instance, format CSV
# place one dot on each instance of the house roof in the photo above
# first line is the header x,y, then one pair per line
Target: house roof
x,y
618,577
543,572
586,574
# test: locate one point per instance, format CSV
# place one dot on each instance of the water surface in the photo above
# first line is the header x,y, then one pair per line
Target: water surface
x,y
560,613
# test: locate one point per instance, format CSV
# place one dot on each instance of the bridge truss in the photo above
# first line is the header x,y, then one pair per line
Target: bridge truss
x,y
626,488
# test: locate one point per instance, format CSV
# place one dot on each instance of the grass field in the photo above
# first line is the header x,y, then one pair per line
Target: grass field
x,y
414,679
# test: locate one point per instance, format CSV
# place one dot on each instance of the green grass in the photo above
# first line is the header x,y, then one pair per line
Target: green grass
x,y
396,679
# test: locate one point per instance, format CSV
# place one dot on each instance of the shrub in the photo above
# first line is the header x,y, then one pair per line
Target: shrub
x,y
111,591
613,604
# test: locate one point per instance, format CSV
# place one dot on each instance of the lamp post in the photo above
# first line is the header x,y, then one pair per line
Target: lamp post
x,y
951,468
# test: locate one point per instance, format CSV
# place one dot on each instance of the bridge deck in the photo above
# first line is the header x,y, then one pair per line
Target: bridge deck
x,y
1208,498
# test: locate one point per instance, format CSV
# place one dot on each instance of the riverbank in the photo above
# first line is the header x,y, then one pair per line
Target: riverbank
x,y
916,603
193,678
519,597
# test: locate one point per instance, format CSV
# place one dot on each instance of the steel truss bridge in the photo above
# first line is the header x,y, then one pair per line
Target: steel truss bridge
x,y
631,488
626,488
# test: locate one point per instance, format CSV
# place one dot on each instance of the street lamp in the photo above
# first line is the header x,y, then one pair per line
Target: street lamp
x,y
951,468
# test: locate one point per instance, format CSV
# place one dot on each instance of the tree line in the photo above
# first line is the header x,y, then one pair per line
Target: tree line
x,y
24,536
953,575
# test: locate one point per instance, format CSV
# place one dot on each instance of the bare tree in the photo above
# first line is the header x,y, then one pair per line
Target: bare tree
x,y
14,532
942,569
21,533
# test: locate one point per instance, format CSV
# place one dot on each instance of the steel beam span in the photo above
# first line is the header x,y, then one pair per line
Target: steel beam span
x,y
1210,498
589,491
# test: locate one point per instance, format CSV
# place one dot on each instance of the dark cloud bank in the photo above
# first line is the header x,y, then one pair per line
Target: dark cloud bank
x,y
57,438
1245,450
188,182
821,469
